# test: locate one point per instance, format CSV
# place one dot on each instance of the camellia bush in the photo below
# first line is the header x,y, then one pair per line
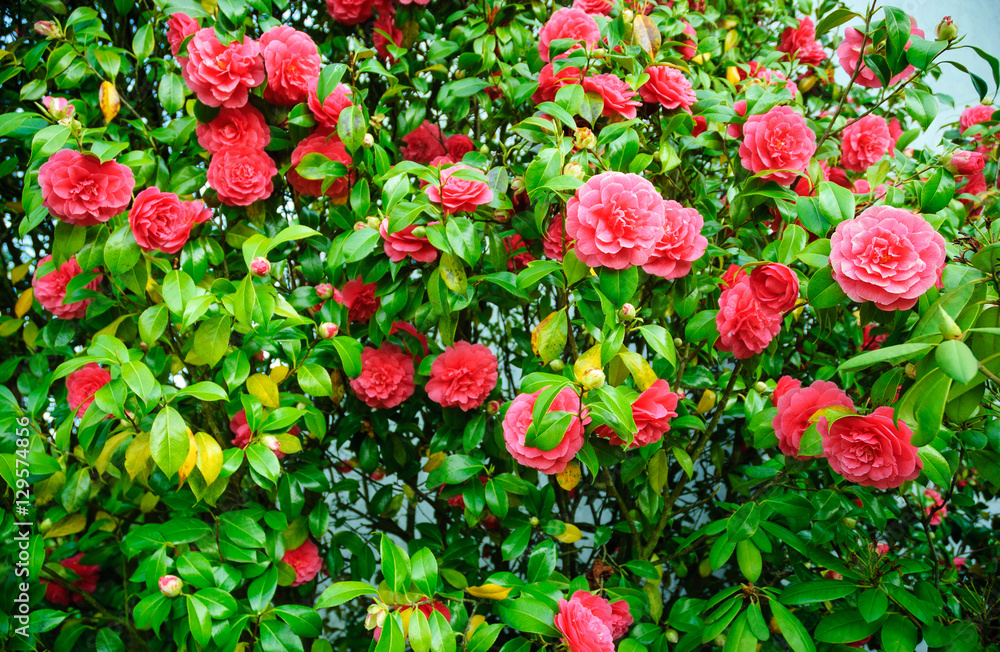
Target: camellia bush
x,y
484,325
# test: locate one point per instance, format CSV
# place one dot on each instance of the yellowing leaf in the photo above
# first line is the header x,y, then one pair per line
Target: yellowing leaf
x,y
112,328
190,460
591,359
109,101
571,535
707,402
148,502
733,75
107,522
289,444
279,373
489,591
110,446
570,476
474,622
66,526
209,456
138,458
19,273
641,371
732,40
647,35
264,390
548,339
24,301
434,461
453,273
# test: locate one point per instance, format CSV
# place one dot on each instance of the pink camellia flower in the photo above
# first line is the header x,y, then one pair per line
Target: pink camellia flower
x,y
222,75
260,267
784,385
777,140
241,175
555,241
973,115
550,81
241,429
652,412
589,623
849,55
518,255
457,195
87,583
700,126
80,189
800,43
689,48
406,327
462,376
50,289
179,27
350,12
871,450
424,144
58,107
518,419
403,243
459,145
170,586
669,87
682,242
886,255
241,127
756,73
798,409
360,299
292,63
882,548
327,113
734,274
568,23
937,511
958,562
384,32
871,342
82,384
865,143
386,378
419,2
160,220
966,163
735,130
330,146
775,286
745,326
619,98
305,561
594,7
616,220
861,187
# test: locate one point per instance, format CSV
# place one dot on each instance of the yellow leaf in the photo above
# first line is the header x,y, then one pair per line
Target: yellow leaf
x,y
572,534
66,526
45,490
289,444
489,591
148,502
24,301
30,334
591,359
707,402
647,35
732,39
733,75
112,328
474,622
264,390
209,457
109,101
190,460
434,461
279,373
19,273
453,273
110,446
641,371
570,476
548,339
9,326
108,523
137,457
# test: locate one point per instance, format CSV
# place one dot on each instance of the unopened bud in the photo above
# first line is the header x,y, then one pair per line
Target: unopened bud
x,y
628,16
328,330
378,474
584,138
517,184
360,226
947,30
373,222
851,523
48,29
592,378
949,329
760,387
720,640
500,216
260,267
965,162
533,521
626,312
272,442
368,141
419,232
324,291
910,370
574,169
58,107
375,616
557,365
672,636
171,585
45,525
493,407
678,342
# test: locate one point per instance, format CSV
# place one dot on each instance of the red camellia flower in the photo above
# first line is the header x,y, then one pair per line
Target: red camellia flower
x,y
555,240
777,140
360,299
800,43
403,243
242,127
463,376
82,384
568,23
305,561
865,143
550,81
241,175
871,450
886,255
50,289
350,12
669,87
849,55
652,412
775,286
594,7
292,63
459,145
241,429
784,385
518,419
457,195
424,144
682,242
384,32
222,75
518,255
689,48
745,326
797,410
406,327
386,378
589,623
966,163
618,96
937,511
329,145
80,189
616,220
87,582
179,27
327,113
973,115
160,220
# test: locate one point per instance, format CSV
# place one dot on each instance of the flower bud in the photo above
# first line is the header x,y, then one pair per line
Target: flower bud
x,y
949,329
592,378
171,585
851,523
378,474
48,29
533,521
720,640
58,107
324,291
760,387
672,636
499,216
628,16
373,222
557,365
328,330
260,267
376,616
574,169
419,232
360,226
272,442
626,312
45,525
678,342
584,138
910,370
493,407
947,30
517,184
965,162
368,141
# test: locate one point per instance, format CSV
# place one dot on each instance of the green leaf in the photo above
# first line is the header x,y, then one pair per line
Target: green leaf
x,y
845,627
211,340
315,380
619,285
349,350
339,593
424,571
899,635
749,560
889,354
262,589
791,628
957,360
351,127
302,620
872,604
935,466
199,619
660,341
168,441
152,323
529,616
937,191
817,591
395,565
743,524
454,469
263,460
121,252
140,380
921,106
